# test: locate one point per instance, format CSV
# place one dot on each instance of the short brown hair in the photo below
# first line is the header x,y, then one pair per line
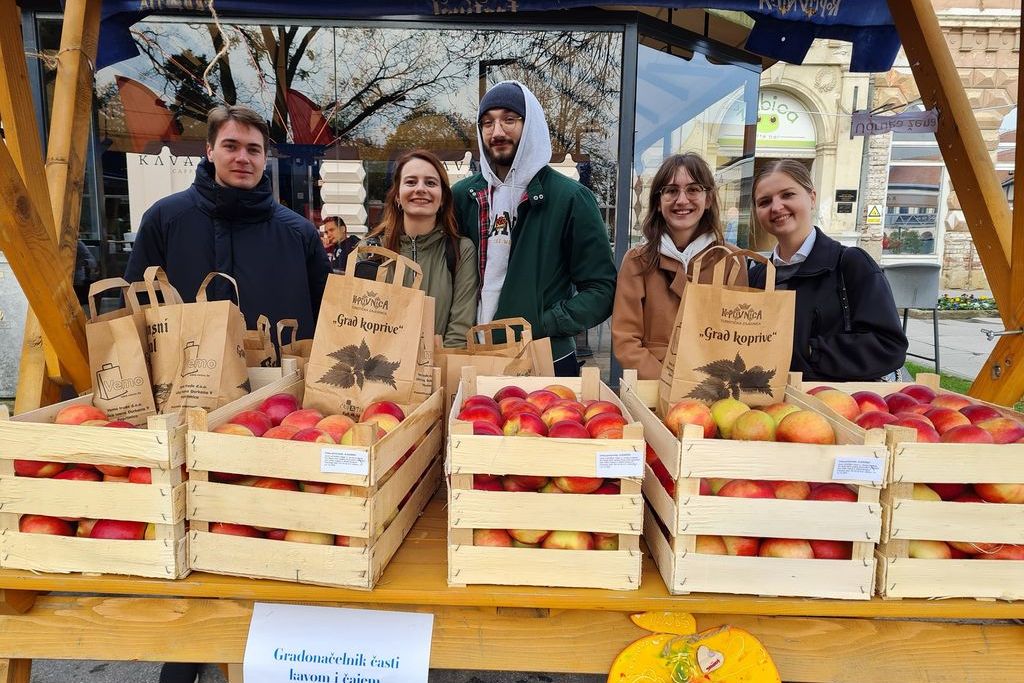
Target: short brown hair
x,y
221,114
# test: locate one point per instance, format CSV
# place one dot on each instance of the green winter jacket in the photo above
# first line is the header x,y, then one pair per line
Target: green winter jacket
x,y
559,240
454,298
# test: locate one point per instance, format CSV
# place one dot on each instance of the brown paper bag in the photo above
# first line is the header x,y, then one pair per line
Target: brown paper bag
x,y
162,315
730,341
369,337
259,347
205,341
519,355
297,349
117,355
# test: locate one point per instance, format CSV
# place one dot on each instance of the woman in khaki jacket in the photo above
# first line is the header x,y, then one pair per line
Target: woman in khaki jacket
x,y
682,222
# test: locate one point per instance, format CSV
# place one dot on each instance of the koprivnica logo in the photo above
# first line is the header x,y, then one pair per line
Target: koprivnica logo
x,y
742,312
370,300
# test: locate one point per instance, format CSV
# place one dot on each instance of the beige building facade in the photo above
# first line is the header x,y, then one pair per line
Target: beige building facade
x,y
890,193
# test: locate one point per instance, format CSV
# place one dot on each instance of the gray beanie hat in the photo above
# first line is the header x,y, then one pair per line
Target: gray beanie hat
x,y
504,96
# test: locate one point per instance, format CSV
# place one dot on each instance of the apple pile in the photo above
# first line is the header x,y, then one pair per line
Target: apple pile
x,y
730,418
281,417
111,529
959,550
937,418
551,540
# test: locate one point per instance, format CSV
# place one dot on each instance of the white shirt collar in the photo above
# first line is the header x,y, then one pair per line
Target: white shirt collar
x,y
801,254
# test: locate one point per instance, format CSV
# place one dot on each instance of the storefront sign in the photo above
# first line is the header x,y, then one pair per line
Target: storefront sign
x,y
783,125
866,123
154,176
336,645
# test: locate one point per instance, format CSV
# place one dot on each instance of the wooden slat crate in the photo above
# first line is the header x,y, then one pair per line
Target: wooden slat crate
x,y
672,523
368,517
160,447
906,519
470,509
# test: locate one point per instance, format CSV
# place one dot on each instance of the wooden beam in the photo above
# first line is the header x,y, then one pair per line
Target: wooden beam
x,y
31,250
1017,239
15,670
967,158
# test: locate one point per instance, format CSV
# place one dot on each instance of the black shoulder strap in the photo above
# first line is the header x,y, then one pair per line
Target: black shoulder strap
x,y
844,300
449,257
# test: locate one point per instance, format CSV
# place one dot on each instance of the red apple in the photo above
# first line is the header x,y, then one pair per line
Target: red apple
x,y
78,413
38,469
744,546
561,413
689,411
831,550
481,413
275,534
944,419
275,483
746,488
349,437
542,399
511,391
344,541
232,428
41,524
805,426
967,434
710,545
304,418
1003,429
792,548
662,475
791,490
875,419
528,536
561,391
120,530
969,548
254,420
486,429
480,399
312,434
312,486
120,424
335,425
869,401
899,402
79,474
951,401
725,412
314,537
284,432
919,393
568,429
605,541
598,407
382,408
386,422
523,482
119,471
487,482
817,390
1001,493
525,424
608,488
1006,552
841,402
497,538
230,529
833,492
85,526
978,413
925,432
578,484
338,490
603,421
930,550
568,540
948,491
278,407
754,425
776,410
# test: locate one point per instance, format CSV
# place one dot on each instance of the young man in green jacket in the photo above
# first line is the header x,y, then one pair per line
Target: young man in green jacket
x,y
543,248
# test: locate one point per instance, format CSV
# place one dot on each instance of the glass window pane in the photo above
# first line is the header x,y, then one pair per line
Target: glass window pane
x,y
916,153
912,210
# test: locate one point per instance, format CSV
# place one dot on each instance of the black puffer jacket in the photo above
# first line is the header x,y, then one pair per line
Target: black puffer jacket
x,y
275,254
867,346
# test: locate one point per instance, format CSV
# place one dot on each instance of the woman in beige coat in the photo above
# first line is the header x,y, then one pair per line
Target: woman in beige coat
x,y
682,222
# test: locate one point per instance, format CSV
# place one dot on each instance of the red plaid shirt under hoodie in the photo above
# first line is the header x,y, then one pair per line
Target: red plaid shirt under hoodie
x,y
483,200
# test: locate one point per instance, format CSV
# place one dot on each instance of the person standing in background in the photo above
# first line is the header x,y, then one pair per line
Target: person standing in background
x,y
338,242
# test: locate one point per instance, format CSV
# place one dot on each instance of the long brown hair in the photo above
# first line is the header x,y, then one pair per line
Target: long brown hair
x,y
654,225
392,225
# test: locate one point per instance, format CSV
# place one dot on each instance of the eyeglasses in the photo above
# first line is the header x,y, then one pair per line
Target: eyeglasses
x,y
506,123
692,191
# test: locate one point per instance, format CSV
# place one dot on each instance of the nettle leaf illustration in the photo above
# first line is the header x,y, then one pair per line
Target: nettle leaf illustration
x,y
356,365
245,386
731,378
161,392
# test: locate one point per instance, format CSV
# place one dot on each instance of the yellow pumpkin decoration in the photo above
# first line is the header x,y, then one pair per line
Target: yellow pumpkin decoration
x,y
719,655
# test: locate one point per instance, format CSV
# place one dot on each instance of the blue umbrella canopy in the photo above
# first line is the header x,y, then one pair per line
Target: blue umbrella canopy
x,y
783,29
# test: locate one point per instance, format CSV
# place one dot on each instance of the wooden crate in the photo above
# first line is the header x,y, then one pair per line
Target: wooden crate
x,y
364,517
906,519
673,522
160,447
469,509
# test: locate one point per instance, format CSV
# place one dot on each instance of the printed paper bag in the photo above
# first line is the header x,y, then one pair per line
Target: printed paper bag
x,y
297,349
730,341
259,347
117,355
162,314
210,350
519,355
368,337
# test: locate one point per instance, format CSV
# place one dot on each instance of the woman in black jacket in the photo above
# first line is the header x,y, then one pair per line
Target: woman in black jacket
x,y
847,327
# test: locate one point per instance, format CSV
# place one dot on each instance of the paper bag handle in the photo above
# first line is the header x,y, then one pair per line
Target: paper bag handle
x,y
487,329
130,294
402,264
201,294
156,279
284,325
718,274
263,326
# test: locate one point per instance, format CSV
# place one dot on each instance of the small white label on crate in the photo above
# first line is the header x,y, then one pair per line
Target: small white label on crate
x,y
302,643
345,461
858,469
613,464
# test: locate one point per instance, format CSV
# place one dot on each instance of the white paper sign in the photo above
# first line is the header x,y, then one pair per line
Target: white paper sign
x,y
615,464
345,461
858,469
336,645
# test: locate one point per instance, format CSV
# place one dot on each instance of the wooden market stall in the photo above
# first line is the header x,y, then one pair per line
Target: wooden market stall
x,y
205,617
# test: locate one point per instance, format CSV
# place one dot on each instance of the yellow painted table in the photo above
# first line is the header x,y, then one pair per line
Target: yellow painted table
x,y
205,618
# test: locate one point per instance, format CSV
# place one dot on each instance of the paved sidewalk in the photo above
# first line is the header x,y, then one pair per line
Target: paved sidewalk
x,y
963,348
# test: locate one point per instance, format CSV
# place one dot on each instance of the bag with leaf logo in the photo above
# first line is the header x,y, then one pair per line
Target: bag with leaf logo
x,y
369,337
730,341
260,351
204,343
117,355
